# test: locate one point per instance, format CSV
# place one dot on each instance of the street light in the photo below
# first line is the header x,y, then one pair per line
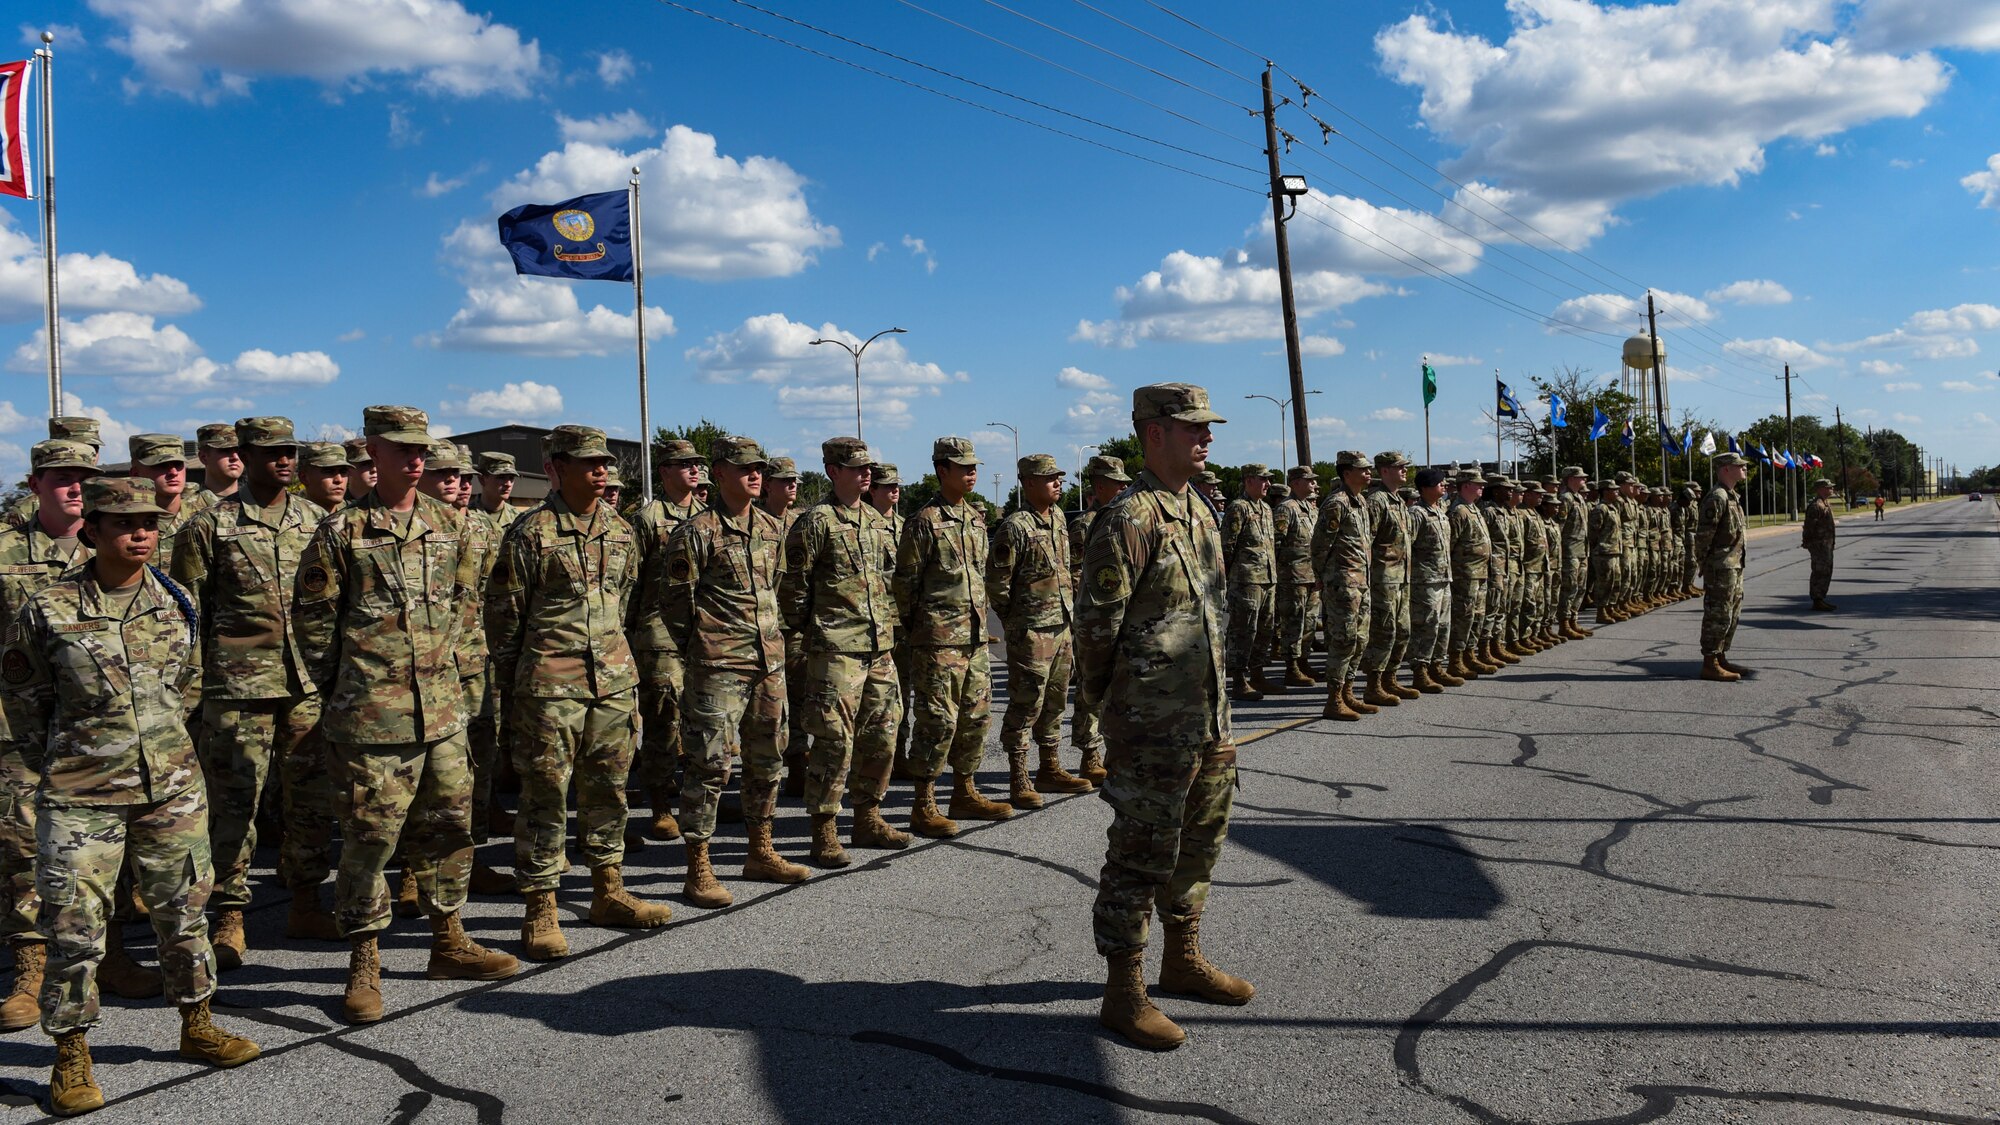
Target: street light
x,y
1283,457
856,353
1017,438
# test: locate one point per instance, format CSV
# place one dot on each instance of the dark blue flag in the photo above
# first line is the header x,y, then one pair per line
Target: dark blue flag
x,y
589,237
1732,444
1625,438
1600,425
1509,406
1558,414
1667,441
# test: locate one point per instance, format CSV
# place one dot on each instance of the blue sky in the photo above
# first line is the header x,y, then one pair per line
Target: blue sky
x,y
287,207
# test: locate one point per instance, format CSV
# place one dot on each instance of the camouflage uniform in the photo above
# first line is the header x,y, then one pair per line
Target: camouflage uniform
x,y
1719,541
662,677
1086,731
1430,585
1298,601
720,605
76,428
836,592
1388,575
1534,565
1471,565
29,562
1031,586
941,598
1150,645
1690,516
887,474
1606,560
161,449
554,613
259,706
377,613
1249,551
784,468
1341,549
1817,538
1575,519
1503,561
111,678
1629,533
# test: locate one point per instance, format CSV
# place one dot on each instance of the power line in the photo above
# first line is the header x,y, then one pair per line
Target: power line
x,y
1200,58
1211,34
1122,58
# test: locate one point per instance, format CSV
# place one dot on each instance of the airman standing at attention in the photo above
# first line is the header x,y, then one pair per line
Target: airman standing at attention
x,y
31,559
1575,517
68,427
121,786
1629,534
361,476
555,611
377,615
1150,639
1029,584
323,471
221,467
1341,550
661,672
614,488
1107,478
1504,561
941,637
720,603
497,475
1210,487
1430,586
1719,541
260,710
1298,609
1607,560
885,495
780,499
1525,633
162,459
1248,550
1690,516
1389,583
839,561
1817,539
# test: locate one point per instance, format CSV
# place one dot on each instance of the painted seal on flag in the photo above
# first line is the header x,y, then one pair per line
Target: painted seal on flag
x,y
574,225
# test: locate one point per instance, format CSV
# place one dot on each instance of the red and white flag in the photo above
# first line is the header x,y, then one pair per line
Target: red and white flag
x,y
14,176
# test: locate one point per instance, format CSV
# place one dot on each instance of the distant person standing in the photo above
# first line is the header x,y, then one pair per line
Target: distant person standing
x,y
1880,502
1718,538
1818,542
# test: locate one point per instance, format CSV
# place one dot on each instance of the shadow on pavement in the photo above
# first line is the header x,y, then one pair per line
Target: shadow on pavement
x,y
1381,866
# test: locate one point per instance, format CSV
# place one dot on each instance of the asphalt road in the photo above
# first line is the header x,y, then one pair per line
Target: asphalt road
x,y
1593,888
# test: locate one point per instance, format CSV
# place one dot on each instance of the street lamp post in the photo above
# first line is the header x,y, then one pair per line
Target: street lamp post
x,y
856,353
1283,457
1017,437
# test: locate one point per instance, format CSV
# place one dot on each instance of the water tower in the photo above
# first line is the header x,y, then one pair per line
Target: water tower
x,y
1642,352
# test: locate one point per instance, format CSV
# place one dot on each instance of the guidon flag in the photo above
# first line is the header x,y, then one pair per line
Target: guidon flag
x,y
15,176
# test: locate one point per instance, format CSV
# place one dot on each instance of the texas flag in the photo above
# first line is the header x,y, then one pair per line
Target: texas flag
x,y
14,173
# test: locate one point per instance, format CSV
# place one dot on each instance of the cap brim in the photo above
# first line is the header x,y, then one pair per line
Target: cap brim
x,y
966,461
1202,415
270,443
406,437
128,510
163,459
499,472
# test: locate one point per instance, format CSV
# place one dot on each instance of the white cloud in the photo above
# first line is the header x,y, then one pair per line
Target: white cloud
x,y
1197,299
1759,292
203,49
875,249
402,131
1905,165
1978,384
1906,419
351,335
1098,410
114,432
10,418
227,404
1080,380
1934,333
1320,347
817,381
333,431
310,369
1453,360
1327,424
917,249
68,35
1881,367
604,129
1565,110
1898,388
89,282
1908,25
1615,312
613,67
435,185
1391,414
514,402
1781,350
1986,185
540,316
112,343
1342,233
1824,149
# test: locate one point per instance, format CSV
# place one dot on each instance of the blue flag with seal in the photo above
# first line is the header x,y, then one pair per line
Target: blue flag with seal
x,y
588,238
1625,438
1558,413
1667,442
1599,425
1508,406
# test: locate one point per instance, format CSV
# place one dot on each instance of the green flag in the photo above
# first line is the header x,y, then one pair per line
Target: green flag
x,y
1430,385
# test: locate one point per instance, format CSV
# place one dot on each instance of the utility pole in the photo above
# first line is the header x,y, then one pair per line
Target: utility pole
x,y
1846,492
1791,509
1659,387
1278,197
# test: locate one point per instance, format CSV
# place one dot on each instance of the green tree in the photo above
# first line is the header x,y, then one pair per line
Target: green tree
x,y
701,435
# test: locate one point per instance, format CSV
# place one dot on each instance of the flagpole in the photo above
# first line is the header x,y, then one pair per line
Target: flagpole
x,y
1496,421
1427,421
639,321
46,57
1596,474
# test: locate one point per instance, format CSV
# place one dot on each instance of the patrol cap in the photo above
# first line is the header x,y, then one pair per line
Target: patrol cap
x,y
464,456
1428,477
1043,465
612,478
1408,493
1389,458
701,474
578,442
953,450
1574,471
884,474
76,427
265,431
1626,478
1496,480
677,451
496,465
1298,471
1351,459
1209,478
443,458
1821,482
1469,476
1724,458
325,455
156,449
846,453
125,496
58,454
405,425
742,452
1183,402
357,451
1110,468
782,468
1603,485
220,435
1254,469
1533,486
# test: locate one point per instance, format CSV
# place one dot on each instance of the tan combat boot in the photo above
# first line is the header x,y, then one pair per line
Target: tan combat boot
x,y
1361,706
22,1008
362,1002
871,831
227,938
203,1041
701,886
126,978
663,825
1128,1011
1444,677
1053,778
307,919
968,803
1729,665
925,819
1390,681
455,956
1337,708
1241,690
1712,669
541,933
1021,791
826,849
1092,767
762,863
1379,693
1263,686
1296,674
1185,972
1482,658
1420,678
406,896
1460,668
612,905
72,1088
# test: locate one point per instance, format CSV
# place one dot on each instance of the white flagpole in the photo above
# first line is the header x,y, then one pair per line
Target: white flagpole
x,y
639,320
46,57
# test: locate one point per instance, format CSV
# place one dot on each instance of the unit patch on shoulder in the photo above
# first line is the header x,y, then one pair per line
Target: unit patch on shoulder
x,y
1108,583
681,569
14,667
314,579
